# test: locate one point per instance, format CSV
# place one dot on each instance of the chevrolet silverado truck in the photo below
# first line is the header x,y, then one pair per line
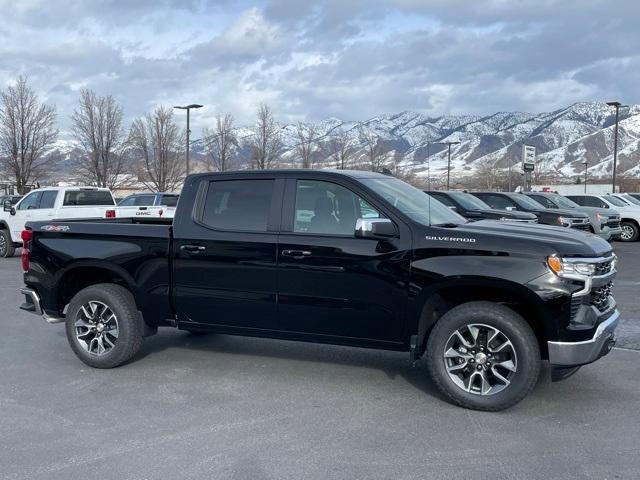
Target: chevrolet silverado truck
x,y
351,258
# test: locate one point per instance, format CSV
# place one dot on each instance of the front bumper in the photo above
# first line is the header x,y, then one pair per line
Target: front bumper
x,y
573,354
32,304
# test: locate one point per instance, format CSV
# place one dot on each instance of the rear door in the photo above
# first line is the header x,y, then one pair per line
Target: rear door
x,y
331,284
225,255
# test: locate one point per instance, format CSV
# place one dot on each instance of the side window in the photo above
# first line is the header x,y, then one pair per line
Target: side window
x,y
579,199
240,205
444,199
544,201
328,208
48,199
169,200
593,202
127,202
30,202
498,201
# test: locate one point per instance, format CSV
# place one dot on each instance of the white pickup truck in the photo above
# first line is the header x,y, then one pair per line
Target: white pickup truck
x,y
48,204
154,205
629,213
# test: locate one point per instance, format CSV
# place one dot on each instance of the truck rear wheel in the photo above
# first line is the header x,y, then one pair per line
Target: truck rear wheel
x,y
6,244
483,356
103,325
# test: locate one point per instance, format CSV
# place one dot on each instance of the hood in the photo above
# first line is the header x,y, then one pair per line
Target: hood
x,y
525,238
593,210
562,212
498,213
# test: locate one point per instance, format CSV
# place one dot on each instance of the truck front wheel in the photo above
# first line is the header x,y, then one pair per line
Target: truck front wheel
x,y
630,231
6,244
483,356
103,325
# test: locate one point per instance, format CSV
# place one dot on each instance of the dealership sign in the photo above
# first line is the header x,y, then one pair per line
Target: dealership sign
x,y
528,158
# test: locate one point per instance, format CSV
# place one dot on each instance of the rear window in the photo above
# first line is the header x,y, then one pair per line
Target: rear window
x,y
169,200
82,198
241,205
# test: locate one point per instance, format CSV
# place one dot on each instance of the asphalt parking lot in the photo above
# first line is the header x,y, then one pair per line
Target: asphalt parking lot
x,y
219,407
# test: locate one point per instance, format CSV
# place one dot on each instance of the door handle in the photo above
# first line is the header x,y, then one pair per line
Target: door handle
x,y
193,248
297,254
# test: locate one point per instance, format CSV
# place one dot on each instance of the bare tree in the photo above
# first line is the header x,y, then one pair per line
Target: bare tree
x,y
487,174
340,148
306,141
27,128
374,149
97,125
266,143
221,143
159,142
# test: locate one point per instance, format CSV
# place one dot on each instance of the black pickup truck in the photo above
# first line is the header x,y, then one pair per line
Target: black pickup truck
x,y
352,258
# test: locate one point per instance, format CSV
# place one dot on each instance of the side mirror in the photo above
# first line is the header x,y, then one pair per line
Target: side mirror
x,y
7,205
510,209
375,228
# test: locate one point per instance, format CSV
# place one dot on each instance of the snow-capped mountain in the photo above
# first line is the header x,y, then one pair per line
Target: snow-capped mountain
x,y
564,139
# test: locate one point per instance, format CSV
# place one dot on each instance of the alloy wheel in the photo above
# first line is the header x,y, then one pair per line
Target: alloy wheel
x,y
627,232
96,328
480,359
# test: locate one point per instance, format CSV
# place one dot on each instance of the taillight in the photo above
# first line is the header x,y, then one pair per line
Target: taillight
x,y
110,214
26,236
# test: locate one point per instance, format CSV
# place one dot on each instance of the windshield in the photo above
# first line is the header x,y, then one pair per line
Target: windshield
x,y
616,201
631,199
414,203
564,202
469,201
526,201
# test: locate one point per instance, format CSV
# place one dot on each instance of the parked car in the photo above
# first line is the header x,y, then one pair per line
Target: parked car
x,y
569,218
630,214
147,205
604,222
629,199
376,264
473,209
12,199
48,204
635,195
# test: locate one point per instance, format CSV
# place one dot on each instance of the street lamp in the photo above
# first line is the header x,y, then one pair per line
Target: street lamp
x,y
617,106
188,109
449,159
586,169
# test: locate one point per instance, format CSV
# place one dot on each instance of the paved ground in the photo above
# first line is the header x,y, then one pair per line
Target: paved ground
x,y
221,407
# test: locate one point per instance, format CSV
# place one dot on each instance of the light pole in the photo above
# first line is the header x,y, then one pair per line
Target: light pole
x,y
449,159
188,109
428,167
617,106
586,168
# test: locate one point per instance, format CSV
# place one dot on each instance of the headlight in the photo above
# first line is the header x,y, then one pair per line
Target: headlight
x,y
563,268
563,221
602,218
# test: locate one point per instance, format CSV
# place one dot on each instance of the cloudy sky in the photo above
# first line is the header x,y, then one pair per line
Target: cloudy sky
x,y
311,60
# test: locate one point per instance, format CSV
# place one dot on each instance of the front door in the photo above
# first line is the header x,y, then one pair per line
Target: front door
x,y
24,214
332,284
225,256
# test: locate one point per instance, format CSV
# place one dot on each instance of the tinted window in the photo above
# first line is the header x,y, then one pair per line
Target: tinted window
x,y
443,198
241,205
144,200
544,201
169,200
616,201
82,198
48,199
127,202
328,208
497,201
30,201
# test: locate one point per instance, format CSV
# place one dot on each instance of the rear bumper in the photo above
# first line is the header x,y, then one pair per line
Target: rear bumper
x,y
33,304
573,354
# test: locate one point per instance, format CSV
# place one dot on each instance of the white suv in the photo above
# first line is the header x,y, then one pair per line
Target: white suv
x,y
629,214
51,203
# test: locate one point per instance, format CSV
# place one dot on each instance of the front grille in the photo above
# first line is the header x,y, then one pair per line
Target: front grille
x,y
603,268
613,222
600,296
575,306
584,227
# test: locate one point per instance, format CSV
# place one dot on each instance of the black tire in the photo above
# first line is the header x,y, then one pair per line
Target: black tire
x,y
129,324
6,244
630,231
518,331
